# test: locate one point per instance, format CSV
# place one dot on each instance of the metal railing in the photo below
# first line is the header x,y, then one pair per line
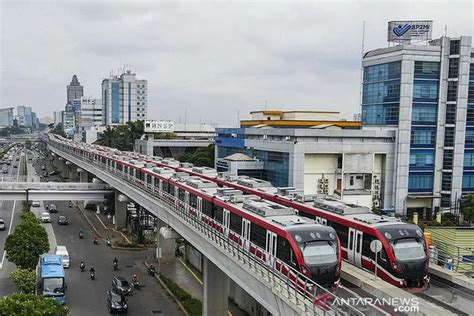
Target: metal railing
x,y
291,283
452,257
56,186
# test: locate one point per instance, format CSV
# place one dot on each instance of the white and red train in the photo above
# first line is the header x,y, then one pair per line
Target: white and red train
x,y
402,261
274,233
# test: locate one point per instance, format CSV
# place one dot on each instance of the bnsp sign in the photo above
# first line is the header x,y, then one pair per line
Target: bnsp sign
x,y
159,127
407,31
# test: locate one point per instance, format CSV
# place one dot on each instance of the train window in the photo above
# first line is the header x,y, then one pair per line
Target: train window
x,y
218,216
207,208
358,243
351,239
342,233
171,189
366,246
283,249
301,213
166,186
181,194
258,235
236,223
192,200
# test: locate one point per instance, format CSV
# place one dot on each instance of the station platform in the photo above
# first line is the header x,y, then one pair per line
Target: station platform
x,y
382,290
454,277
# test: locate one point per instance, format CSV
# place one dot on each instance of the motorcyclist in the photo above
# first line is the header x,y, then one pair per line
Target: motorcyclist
x,y
135,278
81,233
108,241
82,265
115,263
92,270
96,240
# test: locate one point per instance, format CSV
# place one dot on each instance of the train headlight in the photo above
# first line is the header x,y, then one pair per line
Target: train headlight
x,y
388,236
332,236
396,267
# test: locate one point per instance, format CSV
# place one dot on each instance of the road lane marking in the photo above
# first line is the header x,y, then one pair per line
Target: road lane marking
x,y
11,220
191,271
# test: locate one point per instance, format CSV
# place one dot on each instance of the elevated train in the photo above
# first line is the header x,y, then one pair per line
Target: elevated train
x,y
403,259
273,233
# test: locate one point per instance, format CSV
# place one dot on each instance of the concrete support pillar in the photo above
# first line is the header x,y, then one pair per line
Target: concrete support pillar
x,y
216,290
166,245
83,175
67,170
120,210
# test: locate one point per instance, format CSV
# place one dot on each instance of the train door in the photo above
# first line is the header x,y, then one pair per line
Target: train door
x,y
160,186
271,247
186,200
176,196
354,247
199,204
245,234
226,222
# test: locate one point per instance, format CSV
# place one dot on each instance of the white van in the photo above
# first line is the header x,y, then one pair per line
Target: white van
x,y
62,251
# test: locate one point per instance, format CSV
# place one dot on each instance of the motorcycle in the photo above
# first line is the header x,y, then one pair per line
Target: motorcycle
x,y
151,270
96,241
83,267
92,275
109,243
115,265
136,284
81,235
70,204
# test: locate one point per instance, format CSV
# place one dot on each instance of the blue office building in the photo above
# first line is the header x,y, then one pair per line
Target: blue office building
x,y
426,94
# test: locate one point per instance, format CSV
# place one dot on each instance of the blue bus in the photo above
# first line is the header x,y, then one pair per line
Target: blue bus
x,y
52,282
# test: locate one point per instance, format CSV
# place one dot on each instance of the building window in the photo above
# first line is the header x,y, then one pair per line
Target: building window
x,y
468,159
423,137
452,90
388,91
449,137
425,90
448,159
115,103
468,182
426,70
421,159
450,113
424,114
382,72
420,182
445,200
380,114
453,68
454,47
446,181
469,137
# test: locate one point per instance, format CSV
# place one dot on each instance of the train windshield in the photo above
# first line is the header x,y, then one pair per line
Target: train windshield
x,y
319,252
408,249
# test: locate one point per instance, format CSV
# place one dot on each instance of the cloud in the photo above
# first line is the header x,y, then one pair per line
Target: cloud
x,y
215,58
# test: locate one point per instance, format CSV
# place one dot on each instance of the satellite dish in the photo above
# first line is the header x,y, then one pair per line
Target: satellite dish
x,y
375,246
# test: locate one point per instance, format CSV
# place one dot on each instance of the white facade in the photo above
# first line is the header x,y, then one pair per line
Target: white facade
x,y
124,99
57,117
23,114
90,114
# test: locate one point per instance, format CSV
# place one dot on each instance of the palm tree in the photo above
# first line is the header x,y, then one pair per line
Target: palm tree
x,y
108,138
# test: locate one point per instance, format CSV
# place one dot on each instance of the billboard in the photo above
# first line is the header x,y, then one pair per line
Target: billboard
x,y
408,31
159,127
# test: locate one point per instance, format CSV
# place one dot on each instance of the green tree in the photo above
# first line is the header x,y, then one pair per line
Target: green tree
x,y
467,208
29,217
30,304
59,130
24,279
202,157
27,242
121,137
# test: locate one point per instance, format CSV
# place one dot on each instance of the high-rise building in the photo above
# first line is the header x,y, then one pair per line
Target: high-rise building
x,y
34,120
6,117
23,115
90,114
74,90
426,94
124,99
57,117
68,117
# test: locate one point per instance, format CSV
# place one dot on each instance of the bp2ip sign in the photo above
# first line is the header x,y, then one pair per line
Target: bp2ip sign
x,y
408,31
159,127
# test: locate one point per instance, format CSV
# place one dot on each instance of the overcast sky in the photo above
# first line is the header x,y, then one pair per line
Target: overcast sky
x,y
215,58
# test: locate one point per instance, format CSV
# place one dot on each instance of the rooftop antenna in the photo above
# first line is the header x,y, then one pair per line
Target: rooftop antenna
x,y
265,104
238,117
185,116
361,68
445,30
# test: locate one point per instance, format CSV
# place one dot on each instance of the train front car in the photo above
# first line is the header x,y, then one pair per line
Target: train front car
x,y
320,253
409,255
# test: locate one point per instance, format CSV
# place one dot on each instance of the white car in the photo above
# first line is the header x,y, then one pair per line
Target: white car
x,y
45,217
36,204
